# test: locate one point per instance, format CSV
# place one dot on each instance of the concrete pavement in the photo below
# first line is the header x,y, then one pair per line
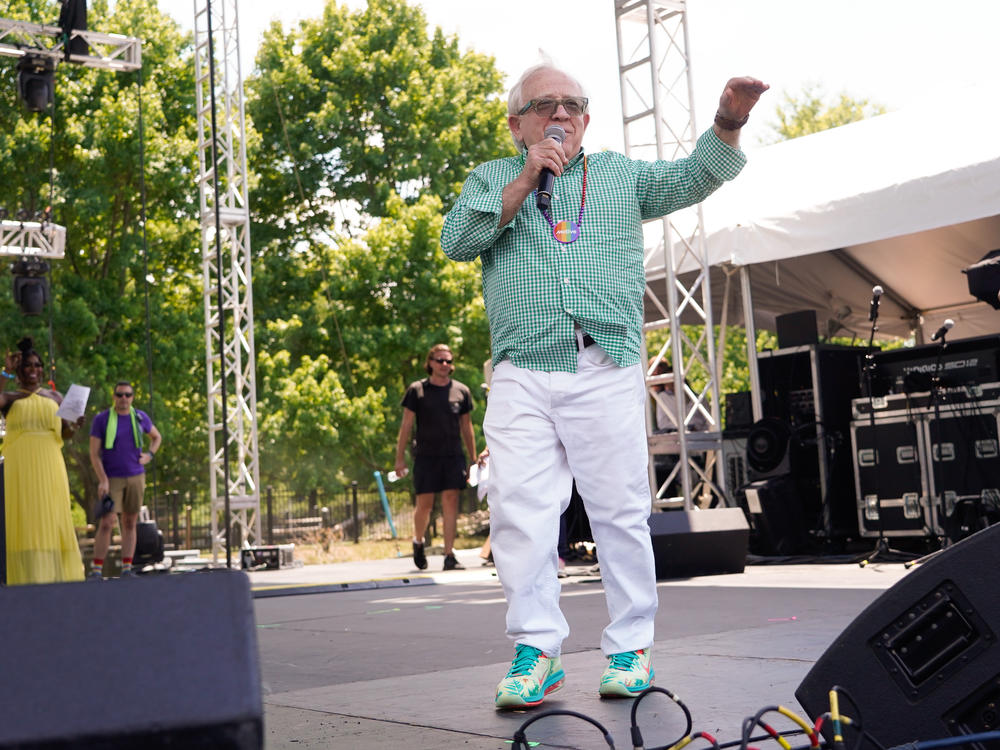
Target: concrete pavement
x,y
388,656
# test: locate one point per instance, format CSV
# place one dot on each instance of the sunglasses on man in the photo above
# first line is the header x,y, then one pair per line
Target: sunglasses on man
x,y
443,361
574,106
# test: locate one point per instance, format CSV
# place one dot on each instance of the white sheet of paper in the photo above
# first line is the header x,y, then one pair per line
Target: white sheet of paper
x,y
74,403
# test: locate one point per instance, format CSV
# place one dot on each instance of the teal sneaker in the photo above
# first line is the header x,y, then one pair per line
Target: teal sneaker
x,y
532,676
627,675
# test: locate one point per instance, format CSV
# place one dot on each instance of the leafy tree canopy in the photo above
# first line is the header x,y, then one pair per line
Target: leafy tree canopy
x,y
381,302
811,112
366,127
359,115
358,106
97,139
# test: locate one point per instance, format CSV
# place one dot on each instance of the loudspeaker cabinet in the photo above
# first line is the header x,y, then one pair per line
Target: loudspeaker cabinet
x,y
963,452
890,478
159,662
923,659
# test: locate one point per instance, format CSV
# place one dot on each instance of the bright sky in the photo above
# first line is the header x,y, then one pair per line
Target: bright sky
x,y
894,52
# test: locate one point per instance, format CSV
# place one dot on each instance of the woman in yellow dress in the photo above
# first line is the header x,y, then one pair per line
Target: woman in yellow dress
x,y
41,542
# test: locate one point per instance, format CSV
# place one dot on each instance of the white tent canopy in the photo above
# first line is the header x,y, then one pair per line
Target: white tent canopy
x,y
904,200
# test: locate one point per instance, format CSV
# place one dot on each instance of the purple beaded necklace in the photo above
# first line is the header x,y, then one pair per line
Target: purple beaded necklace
x,y
570,231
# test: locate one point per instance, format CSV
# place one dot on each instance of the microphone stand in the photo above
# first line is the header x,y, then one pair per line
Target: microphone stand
x,y
882,549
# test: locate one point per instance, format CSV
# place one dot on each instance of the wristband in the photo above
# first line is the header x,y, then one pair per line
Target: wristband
x,y
729,124
7,375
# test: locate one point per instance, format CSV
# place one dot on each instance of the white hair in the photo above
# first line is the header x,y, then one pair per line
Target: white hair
x,y
515,99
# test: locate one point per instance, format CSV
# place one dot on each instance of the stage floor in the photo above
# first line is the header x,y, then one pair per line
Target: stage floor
x,y
380,655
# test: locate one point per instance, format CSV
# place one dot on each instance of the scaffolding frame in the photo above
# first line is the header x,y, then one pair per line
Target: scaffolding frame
x,y
109,51
230,359
658,121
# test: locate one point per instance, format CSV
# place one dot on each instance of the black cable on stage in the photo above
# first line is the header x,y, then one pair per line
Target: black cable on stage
x,y
637,735
856,726
858,723
757,719
521,741
837,690
758,738
706,736
961,739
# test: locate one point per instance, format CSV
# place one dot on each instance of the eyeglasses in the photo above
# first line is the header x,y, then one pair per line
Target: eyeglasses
x,y
123,395
574,106
443,361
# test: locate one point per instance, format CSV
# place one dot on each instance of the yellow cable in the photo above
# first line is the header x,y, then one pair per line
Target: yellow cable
x,y
800,721
835,716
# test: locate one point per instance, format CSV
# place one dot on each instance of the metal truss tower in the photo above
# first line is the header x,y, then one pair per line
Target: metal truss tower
x,y
658,119
230,360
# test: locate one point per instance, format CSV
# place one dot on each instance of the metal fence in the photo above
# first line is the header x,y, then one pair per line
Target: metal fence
x,y
351,515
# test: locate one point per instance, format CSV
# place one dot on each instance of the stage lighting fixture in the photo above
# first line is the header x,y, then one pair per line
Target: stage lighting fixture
x,y
35,81
984,279
31,287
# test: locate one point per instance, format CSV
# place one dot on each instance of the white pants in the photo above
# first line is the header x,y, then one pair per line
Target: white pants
x,y
545,429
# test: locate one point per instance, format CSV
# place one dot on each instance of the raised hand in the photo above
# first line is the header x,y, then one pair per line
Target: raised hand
x,y
739,96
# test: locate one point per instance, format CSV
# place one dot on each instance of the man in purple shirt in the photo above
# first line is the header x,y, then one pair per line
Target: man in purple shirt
x,y
116,437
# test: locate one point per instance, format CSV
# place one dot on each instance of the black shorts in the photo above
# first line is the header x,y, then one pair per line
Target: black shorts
x,y
437,473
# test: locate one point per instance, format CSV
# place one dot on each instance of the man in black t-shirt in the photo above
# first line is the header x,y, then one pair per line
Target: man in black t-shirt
x,y
441,408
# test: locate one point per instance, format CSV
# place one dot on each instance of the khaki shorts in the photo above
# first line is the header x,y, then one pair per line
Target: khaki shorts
x,y
127,493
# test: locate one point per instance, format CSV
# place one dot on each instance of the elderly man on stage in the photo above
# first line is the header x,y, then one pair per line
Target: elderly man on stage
x,y
563,283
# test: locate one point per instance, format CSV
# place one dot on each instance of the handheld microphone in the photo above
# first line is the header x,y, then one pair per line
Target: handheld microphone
x,y
877,292
543,196
945,327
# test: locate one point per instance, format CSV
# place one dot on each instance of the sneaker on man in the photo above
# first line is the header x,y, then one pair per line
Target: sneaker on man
x,y
94,576
627,675
532,676
419,558
129,573
450,563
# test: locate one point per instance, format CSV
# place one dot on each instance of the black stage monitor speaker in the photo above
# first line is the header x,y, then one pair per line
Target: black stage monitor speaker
x,y
152,662
148,544
922,661
796,329
775,509
699,542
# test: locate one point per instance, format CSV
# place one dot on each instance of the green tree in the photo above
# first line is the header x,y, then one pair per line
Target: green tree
x,y
357,106
366,126
99,289
811,112
383,301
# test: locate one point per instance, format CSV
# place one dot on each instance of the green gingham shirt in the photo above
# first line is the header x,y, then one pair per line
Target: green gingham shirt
x,y
535,288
